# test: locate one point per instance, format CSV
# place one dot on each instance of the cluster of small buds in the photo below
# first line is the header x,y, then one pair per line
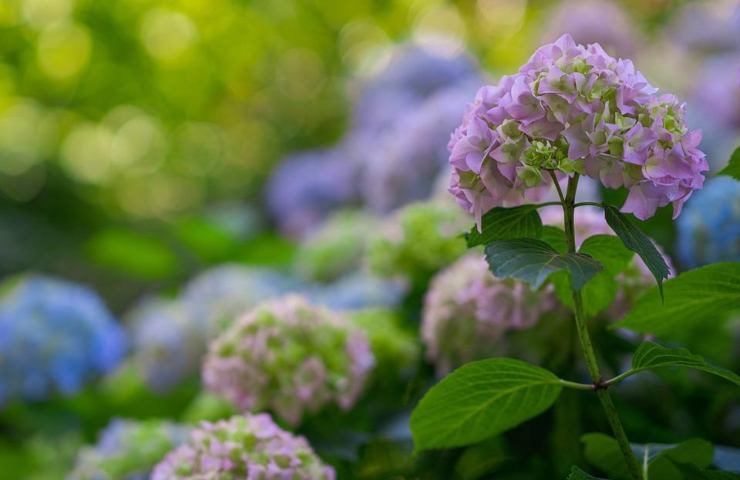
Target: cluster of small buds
x,y
336,247
290,357
574,108
168,342
709,229
418,240
243,447
54,337
128,450
467,311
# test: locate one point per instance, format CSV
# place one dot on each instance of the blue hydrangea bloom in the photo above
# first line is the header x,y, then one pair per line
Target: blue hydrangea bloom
x,y
709,226
54,337
358,291
168,342
217,296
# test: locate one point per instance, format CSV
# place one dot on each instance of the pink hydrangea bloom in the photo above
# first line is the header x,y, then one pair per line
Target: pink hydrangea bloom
x,y
290,357
249,447
467,311
574,108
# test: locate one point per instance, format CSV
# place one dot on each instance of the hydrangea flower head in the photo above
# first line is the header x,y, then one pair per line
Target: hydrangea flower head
x,y
709,229
467,311
307,186
410,156
168,342
336,247
55,336
290,357
573,108
248,447
128,450
417,240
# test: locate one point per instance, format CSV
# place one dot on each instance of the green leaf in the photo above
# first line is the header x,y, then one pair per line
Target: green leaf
x,y
733,167
692,472
506,223
578,474
480,400
695,298
651,355
634,239
555,237
609,251
533,261
602,451
598,293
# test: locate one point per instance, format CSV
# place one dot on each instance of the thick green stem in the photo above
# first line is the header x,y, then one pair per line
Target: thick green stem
x,y
588,350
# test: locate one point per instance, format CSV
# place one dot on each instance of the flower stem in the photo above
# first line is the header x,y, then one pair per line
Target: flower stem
x,y
588,350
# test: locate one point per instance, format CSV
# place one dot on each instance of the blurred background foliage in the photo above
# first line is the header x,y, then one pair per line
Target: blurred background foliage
x,y
138,137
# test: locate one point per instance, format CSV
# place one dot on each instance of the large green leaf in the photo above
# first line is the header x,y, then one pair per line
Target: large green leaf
x,y
599,292
578,474
694,298
733,167
650,355
555,237
506,223
634,239
533,261
602,451
691,472
609,251
481,399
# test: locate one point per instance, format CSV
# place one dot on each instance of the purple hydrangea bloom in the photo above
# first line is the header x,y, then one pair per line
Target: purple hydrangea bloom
x,y
128,450
168,342
290,357
307,186
573,108
418,71
708,27
467,311
249,447
594,21
55,336
709,229
404,166
718,90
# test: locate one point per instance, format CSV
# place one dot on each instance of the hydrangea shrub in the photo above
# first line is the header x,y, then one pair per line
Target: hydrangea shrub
x,y
290,357
571,111
248,447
